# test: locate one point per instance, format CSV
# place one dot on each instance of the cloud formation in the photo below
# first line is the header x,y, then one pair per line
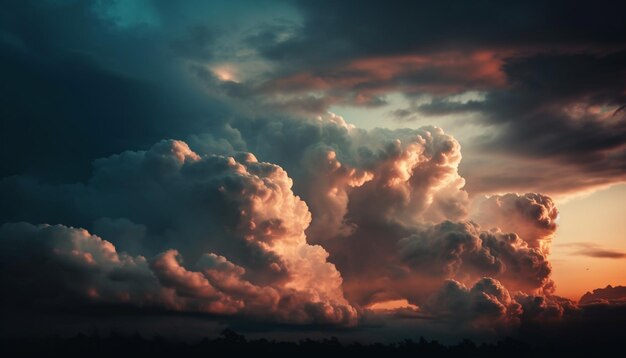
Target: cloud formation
x,y
606,295
283,62
345,219
464,252
398,196
532,216
485,303
551,93
227,236
412,174
211,210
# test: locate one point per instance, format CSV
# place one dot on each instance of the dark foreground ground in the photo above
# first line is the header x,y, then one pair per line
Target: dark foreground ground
x,y
231,343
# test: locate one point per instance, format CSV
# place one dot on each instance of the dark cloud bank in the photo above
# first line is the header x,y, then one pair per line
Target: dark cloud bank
x,y
552,75
276,224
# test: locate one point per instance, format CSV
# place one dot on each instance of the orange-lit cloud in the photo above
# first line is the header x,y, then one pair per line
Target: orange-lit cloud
x,y
362,81
392,305
482,68
532,216
383,223
277,275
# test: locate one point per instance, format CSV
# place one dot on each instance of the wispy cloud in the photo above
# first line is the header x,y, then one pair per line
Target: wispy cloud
x,y
593,250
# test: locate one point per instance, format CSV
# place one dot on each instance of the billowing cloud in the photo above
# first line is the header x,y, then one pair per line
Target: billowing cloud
x,y
485,303
463,252
389,221
276,218
52,266
411,174
211,210
396,195
546,308
395,189
328,191
532,216
489,304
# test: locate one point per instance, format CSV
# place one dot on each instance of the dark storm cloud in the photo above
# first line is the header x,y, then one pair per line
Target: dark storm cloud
x,y
560,108
439,107
334,30
552,74
559,113
75,85
355,52
333,36
195,43
562,105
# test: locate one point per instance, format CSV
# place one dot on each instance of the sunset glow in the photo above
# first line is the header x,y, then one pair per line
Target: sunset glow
x,y
404,175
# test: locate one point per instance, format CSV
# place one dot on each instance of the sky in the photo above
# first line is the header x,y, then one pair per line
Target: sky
x,y
389,170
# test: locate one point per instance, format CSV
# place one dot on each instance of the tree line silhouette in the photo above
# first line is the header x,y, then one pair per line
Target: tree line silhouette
x,y
232,343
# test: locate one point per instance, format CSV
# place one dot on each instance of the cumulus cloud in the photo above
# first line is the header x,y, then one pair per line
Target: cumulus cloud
x,y
211,210
328,192
389,221
463,252
488,304
411,174
364,217
415,177
532,216
543,308
485,303
366,189
396,195
63,266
